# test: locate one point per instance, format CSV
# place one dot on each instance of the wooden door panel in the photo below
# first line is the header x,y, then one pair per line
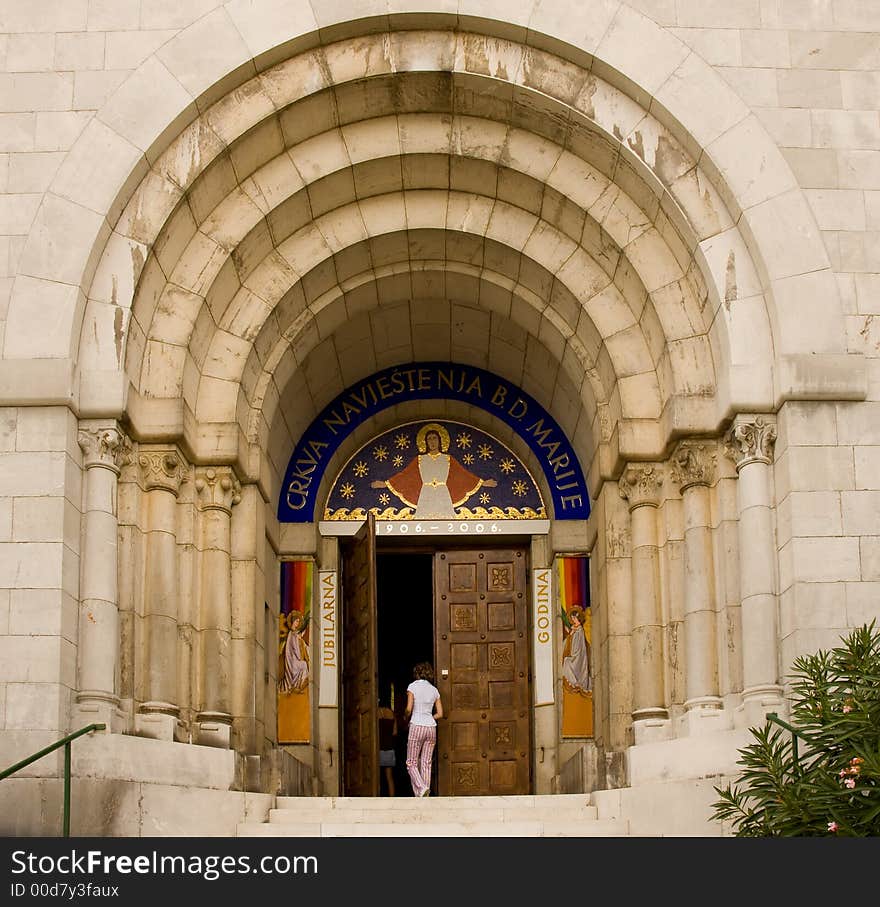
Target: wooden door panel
x,y
463,578
482,638
359,676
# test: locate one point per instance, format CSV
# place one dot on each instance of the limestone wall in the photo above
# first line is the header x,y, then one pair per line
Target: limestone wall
x,y
809,71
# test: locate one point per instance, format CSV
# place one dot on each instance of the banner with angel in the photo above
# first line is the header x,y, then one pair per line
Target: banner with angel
x,y
577,669
294,711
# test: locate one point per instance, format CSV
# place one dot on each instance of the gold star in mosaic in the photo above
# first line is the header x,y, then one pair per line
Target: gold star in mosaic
x,y
484,498
519,488
468,459
383,498
361,469
486,452
401,442
398,461
380,453
347,490
463,440
507,466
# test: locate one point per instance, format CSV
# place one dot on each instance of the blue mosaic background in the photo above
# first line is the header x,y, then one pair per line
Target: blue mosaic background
x,y
432,381
515,497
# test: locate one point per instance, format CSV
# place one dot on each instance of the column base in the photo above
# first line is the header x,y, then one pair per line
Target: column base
x,y
249,767
704,715
95,707
157,720
651,725
213,729
757,702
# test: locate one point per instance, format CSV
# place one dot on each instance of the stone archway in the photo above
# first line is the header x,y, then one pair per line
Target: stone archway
x,y
289,213
690,99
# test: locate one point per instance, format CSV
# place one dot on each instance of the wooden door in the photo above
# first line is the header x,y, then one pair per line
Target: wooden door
x,y
482,641
359,674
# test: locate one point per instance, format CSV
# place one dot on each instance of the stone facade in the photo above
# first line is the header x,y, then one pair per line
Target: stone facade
x,y
660,218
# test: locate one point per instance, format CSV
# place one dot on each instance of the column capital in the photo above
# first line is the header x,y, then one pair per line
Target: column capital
x,y
750,440
162,468
217,488
640,484
693,463
105,446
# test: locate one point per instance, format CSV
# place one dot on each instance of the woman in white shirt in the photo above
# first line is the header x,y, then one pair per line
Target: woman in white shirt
x,y
423,707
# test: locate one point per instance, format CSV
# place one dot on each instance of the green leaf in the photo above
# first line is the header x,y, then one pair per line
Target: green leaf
x,y
776,795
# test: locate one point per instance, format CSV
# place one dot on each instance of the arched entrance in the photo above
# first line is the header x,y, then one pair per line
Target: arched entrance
x,y
317,202
477,209
439,574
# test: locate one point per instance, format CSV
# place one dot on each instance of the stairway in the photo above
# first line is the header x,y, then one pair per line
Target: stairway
x,y
531,816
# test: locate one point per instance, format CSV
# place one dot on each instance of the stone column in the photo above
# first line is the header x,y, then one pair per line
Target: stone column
x,y
105,450
693,466
248,532
640,484
749,443
163,471
615,572
218,490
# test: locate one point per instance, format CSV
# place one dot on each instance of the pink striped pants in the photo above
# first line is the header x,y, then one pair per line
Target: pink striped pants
x,y
419,752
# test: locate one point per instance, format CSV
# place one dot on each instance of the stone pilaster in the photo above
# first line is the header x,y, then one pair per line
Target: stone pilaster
x,y
641,485
217,491
693,470
749,443
615,574
248,531
163,470
105,451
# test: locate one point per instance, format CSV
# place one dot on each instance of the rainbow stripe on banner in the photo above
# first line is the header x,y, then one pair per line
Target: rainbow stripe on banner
x,y
294,659
577,693
574,582
296,586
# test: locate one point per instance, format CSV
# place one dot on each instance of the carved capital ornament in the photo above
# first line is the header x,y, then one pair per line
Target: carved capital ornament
x,y
162,469
693,463
217,488
105,447
640,484
750,440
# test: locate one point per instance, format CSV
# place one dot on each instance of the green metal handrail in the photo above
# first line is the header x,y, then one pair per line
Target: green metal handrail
x,y
65,742
774,717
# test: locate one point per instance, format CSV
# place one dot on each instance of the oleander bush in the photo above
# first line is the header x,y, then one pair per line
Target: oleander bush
x,y
829,782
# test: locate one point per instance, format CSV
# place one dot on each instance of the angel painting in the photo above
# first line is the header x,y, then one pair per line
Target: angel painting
x,y
293,670
576,652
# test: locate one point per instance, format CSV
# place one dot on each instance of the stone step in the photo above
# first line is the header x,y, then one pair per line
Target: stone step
x,y
555,801
563,815
596,828
427,813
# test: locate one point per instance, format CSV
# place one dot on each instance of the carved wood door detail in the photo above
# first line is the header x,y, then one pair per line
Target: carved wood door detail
x,y
482,640
359,674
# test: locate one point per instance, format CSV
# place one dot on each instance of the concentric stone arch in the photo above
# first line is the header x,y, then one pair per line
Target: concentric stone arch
x,y
281,201
683,93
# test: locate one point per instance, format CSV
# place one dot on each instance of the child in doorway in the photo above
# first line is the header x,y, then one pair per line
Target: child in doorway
x,y
387,734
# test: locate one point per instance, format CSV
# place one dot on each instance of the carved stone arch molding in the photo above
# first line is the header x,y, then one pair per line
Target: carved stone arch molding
x,y
289,198
662,130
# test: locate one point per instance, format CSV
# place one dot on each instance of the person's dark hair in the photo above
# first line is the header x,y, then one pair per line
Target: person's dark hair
x,y
424,671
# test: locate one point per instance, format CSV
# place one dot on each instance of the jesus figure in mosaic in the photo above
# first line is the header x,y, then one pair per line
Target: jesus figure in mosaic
x,y
434,482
